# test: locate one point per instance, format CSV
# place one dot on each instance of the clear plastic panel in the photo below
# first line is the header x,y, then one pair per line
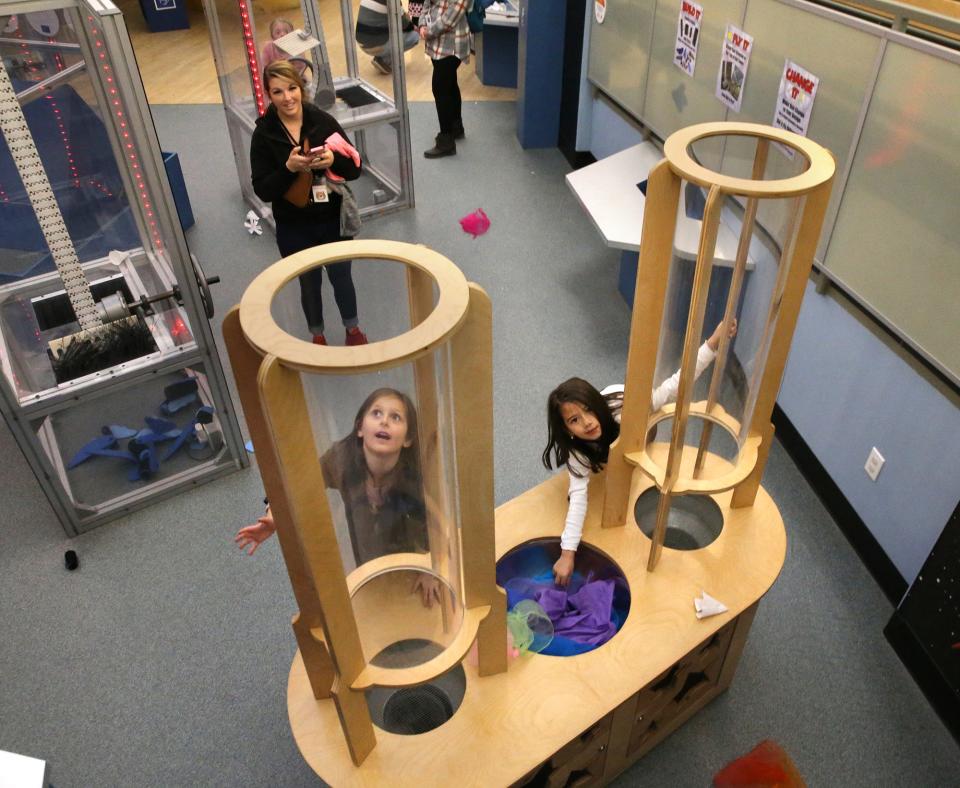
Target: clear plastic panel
x,y
70,132
380,287
674,100
232,57
88,155
724,395
774,215
37,312
623,37
385,445
122,444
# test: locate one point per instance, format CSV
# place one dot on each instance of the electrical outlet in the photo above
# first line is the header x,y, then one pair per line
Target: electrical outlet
x,y
874,463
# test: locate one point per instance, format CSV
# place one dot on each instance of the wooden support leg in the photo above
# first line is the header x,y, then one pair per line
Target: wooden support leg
x,y
291,442
245,362
659,225
745,493
659,530
473,406
316,657
355,720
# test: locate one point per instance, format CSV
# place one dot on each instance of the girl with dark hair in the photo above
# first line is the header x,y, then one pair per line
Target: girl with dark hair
x,y
376,470
582,423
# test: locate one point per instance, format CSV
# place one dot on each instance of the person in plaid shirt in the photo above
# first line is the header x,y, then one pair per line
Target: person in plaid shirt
x,y
446,37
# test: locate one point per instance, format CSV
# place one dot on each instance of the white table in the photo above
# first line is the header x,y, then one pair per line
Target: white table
x,y
21,771
608,192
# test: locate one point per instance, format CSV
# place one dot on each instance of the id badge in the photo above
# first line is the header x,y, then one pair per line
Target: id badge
x,y
320,191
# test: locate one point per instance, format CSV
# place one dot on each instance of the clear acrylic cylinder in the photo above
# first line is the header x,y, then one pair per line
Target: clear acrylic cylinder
x,y
377,461
711,329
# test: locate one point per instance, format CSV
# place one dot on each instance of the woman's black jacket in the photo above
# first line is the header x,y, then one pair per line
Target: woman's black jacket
x,y
269,151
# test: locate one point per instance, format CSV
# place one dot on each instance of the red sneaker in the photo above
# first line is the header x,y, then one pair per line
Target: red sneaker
x,y
319,339
356,337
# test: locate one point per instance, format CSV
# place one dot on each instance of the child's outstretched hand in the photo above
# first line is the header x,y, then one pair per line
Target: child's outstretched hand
x,y
563,568
714,341
253,536
428,587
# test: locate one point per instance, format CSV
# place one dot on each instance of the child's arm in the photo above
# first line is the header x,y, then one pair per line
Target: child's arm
x,y
253,536
573,527
667,391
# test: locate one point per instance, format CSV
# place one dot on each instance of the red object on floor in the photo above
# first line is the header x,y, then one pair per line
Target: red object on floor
x,y
475,223
765,765
356,337
319,339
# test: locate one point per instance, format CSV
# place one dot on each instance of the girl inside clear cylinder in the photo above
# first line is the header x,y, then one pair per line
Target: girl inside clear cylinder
x,y
582,424
376,470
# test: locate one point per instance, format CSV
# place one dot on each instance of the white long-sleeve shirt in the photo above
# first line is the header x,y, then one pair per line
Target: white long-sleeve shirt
x,y
579,473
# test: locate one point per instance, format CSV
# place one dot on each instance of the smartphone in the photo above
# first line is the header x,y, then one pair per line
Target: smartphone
x,y
318,149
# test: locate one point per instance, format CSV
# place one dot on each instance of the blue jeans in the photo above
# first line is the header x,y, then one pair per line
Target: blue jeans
x,y
295,237
410,40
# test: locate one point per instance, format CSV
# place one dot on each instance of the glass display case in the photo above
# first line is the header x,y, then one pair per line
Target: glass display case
x,y
245,37
110,379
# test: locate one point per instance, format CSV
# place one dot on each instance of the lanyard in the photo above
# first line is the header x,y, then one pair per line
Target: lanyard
x,y
286,131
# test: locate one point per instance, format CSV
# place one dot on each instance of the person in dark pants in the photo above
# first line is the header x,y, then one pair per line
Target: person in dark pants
x,y
446,36
294,137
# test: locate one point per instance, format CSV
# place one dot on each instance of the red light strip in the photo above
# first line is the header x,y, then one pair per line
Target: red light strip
x,y
126,140
245,16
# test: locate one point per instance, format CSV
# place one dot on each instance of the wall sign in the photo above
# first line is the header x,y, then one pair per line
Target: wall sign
x,y
734,59
798,89
688,36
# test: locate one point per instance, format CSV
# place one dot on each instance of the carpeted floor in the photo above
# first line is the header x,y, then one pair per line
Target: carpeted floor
x,y
163,661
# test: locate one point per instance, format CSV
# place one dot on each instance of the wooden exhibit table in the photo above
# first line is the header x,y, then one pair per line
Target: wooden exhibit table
x,y
590,715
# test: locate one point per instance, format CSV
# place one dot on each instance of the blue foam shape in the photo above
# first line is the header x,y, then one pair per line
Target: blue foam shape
x,y
91,449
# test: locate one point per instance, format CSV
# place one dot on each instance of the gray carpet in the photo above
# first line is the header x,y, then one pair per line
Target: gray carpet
x,y
163,660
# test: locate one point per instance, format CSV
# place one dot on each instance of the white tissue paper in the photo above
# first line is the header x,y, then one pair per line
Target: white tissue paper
x,y
252,223
706,605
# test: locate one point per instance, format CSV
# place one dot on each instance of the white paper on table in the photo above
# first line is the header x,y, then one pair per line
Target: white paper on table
x,y
706,605
296,43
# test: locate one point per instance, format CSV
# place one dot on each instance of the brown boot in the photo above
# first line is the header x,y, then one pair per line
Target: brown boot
x,y
444,145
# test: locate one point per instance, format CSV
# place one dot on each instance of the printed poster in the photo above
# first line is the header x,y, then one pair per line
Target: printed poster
x,y
734,59
599,10
688,36
798,89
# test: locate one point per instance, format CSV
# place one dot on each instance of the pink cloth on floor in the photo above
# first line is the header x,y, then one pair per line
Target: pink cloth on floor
x,y
475,223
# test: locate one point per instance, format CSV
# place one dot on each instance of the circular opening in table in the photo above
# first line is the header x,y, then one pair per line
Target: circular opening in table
x,y
694,521
527,569
409,711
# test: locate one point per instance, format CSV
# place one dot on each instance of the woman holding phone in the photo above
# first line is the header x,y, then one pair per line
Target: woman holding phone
x,y
298,156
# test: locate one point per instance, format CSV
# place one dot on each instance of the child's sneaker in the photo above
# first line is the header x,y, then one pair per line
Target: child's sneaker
x,y
319,339
356,337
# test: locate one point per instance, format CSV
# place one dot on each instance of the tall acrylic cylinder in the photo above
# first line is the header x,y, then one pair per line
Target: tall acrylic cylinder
x,y
378,480
723,265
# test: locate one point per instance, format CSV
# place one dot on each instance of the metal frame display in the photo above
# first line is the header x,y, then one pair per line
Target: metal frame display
x,y
153,282
379,125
